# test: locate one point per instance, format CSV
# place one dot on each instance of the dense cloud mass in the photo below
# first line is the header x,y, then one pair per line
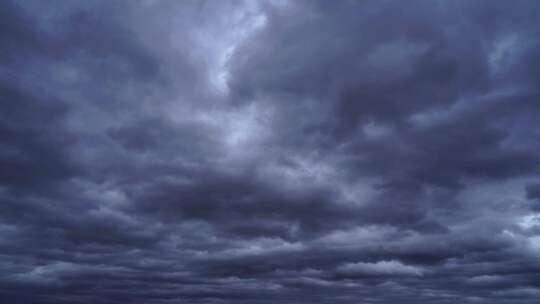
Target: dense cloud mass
x,y
269,152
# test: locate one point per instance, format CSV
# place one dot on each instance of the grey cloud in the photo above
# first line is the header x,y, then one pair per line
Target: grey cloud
x,y
269,152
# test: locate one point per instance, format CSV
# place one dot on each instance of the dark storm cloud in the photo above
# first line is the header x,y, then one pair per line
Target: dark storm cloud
x,y
269,152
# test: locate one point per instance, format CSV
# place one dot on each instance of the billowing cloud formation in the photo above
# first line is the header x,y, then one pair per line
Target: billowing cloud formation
x,y
269,152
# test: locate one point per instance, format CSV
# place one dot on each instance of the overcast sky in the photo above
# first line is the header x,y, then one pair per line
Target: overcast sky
x,y
269,152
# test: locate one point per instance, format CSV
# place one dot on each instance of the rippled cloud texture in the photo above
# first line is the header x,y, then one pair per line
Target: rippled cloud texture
x,y
269,152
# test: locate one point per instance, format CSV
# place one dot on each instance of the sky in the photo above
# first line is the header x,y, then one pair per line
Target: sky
x,y
269,152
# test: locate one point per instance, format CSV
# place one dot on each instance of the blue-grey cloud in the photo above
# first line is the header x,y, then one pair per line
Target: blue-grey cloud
x,y
269,152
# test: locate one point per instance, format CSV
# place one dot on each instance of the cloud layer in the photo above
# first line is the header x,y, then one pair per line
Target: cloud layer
x,y
269,152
